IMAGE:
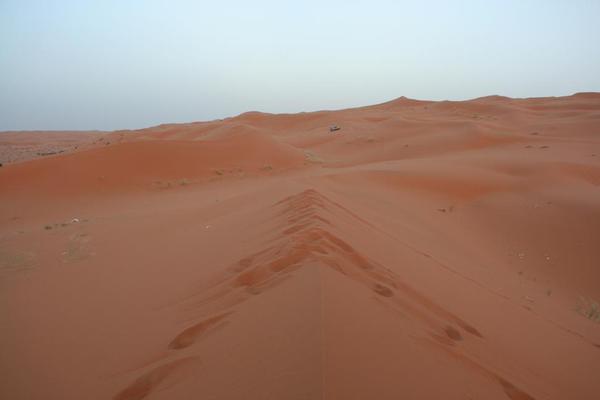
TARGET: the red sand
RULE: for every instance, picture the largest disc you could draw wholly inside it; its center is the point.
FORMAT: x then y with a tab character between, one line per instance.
427	250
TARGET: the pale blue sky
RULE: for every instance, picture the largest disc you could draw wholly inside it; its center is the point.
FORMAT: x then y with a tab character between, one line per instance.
131	63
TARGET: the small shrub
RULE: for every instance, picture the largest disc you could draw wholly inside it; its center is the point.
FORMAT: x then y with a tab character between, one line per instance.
589	309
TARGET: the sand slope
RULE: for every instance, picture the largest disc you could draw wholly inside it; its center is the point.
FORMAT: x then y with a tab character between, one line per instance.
426	250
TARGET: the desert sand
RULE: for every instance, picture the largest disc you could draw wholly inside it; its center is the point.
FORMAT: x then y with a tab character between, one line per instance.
426	250
18	146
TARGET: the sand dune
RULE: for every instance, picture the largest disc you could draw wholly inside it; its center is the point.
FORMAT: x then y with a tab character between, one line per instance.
426	250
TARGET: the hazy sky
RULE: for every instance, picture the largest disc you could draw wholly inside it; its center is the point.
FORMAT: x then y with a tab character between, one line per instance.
131	63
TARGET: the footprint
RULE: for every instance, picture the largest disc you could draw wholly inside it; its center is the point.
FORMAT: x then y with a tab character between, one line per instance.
468	328
383	290
453	333
191	334
153	380
514	392
254	290
296	228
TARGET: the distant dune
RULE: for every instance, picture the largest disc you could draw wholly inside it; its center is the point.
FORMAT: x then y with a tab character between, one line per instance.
426	250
